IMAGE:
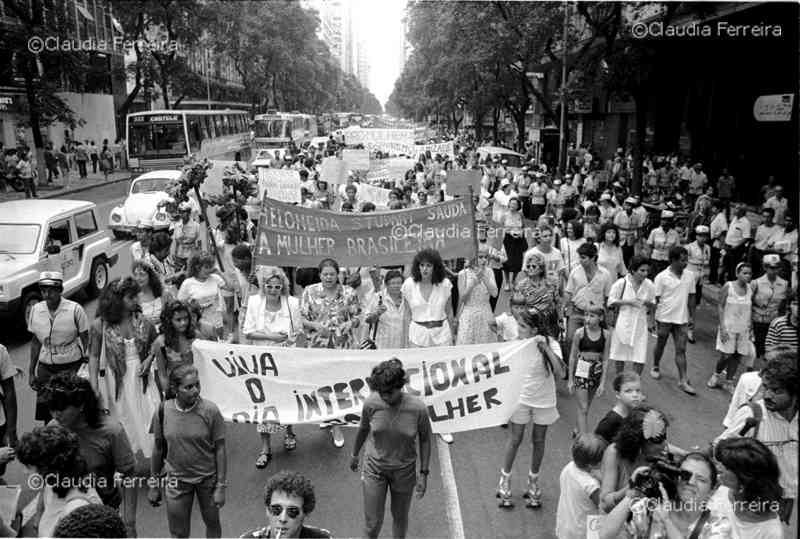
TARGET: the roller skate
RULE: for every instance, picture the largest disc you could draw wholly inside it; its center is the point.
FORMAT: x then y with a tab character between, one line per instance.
533	495
504	490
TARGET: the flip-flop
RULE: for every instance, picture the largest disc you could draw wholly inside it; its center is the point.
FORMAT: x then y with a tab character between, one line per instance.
289	442
263	460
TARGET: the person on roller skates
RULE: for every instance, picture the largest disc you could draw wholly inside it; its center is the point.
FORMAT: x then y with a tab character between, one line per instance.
537	402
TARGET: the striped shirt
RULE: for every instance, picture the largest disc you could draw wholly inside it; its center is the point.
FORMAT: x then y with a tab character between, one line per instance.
781	332
778	434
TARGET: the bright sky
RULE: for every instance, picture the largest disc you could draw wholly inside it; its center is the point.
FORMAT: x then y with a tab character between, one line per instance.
379	23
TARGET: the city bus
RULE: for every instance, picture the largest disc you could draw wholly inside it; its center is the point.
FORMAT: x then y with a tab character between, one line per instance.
159	139
278	129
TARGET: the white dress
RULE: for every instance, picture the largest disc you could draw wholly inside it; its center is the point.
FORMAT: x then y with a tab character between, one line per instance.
475	318
151	310
432	310
631	335
135	406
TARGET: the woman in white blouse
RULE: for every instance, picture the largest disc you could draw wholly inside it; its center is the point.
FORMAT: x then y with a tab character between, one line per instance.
272	319
634	297
609	253
387	316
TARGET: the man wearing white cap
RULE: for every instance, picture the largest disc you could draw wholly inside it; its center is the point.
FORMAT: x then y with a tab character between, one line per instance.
700	265
607	209
628	224
555	201
60	330
662	238
769	292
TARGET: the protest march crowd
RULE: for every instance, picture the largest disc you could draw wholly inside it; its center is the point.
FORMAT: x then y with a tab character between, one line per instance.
591	273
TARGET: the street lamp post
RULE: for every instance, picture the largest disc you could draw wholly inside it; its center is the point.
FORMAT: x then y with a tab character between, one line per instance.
562	131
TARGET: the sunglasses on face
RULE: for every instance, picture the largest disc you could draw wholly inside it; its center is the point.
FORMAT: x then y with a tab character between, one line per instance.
291	511
273	286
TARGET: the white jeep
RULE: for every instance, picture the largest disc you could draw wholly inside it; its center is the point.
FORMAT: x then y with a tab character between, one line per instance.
50	235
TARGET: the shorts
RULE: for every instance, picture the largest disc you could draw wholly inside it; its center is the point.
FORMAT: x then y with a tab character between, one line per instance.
738	343
541	416
398	480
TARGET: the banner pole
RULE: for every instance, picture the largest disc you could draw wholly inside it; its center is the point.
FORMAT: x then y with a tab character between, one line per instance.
474	223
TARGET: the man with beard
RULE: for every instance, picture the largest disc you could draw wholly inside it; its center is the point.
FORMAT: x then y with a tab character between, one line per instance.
772	420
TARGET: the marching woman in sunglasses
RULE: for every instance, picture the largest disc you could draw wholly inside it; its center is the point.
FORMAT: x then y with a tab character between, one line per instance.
391	423
289	498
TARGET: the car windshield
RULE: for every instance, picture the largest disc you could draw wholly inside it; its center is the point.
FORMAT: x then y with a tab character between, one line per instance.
150	185
18	239
273	128
157	140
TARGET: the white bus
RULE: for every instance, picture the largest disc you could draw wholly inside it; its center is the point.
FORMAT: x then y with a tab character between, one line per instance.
278	129
159	139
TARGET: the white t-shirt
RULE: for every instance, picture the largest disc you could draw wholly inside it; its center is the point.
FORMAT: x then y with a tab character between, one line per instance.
207	294
575	502
539	385
507	327
721	509
746	388
673	293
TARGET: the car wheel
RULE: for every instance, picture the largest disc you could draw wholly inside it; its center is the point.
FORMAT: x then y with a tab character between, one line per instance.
29	299
119	234
98	279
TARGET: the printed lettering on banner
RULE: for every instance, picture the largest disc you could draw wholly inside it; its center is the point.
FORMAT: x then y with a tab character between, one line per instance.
593	523
295	236
459	182
356	159
279	184
333	171
377	195
374	136
465	387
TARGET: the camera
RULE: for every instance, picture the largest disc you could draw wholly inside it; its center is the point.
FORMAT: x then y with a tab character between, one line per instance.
660	470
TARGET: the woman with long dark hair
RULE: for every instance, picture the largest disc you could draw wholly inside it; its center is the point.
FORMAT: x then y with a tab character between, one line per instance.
204	284
394	421
120	342
102	442
537	404
173	347
427	293
151	292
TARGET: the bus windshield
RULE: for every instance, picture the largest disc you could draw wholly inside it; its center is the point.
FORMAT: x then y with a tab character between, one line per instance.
156	139
273	128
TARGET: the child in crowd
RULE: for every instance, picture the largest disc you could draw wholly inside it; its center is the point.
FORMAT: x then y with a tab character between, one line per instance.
588	364
580	490
628	390
537	402
507	325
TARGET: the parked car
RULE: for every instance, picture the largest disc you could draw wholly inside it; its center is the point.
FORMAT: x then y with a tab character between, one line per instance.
515	160
146	193
50	235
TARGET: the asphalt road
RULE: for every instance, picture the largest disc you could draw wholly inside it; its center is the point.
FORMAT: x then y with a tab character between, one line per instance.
476	455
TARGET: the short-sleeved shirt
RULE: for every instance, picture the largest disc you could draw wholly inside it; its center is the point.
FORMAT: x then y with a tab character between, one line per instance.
575	502
699	259
191	437
781	332
7	370
608	427
767	298
539	385
106	451
59	333
507	327
738	231
765	235
207	295
589	294
673	293
628	226
393	431
662	241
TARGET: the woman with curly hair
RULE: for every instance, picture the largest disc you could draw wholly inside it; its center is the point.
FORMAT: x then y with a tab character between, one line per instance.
541	296
173	347
749	495
54	451
394	421
205	284
120	342
102	442
609	253
151	292
289	498
272	318
427	294
642	436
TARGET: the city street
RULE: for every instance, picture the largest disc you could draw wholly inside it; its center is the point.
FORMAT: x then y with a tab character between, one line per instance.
475	455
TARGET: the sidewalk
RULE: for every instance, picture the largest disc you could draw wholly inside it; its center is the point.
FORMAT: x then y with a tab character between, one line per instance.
74	185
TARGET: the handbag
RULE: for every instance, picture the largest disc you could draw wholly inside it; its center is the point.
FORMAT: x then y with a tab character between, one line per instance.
613	311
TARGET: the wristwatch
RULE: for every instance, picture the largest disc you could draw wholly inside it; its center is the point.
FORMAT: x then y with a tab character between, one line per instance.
424	472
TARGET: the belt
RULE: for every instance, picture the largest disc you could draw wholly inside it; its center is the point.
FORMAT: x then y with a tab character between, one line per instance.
430	324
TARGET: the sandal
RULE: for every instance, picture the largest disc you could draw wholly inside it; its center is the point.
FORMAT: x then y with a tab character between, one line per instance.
263	460
290	442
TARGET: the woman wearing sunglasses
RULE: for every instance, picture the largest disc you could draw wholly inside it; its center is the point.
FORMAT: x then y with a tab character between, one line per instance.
272	319
289	498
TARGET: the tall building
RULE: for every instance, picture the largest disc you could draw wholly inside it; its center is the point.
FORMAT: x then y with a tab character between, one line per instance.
363	63
337	31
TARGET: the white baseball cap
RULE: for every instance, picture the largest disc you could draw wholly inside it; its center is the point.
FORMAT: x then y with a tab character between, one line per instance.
666	214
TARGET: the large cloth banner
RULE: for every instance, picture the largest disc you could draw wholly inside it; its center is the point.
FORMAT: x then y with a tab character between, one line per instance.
353	137
465	387
279	184
442	148
356	159
295	236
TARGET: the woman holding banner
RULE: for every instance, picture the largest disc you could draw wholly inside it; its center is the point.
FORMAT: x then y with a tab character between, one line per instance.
330	312
273	319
